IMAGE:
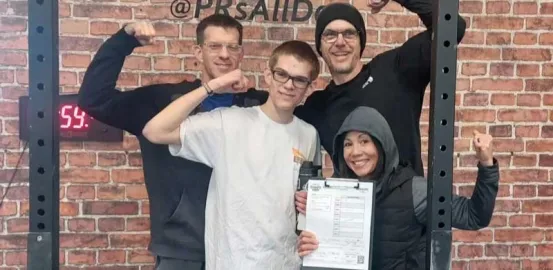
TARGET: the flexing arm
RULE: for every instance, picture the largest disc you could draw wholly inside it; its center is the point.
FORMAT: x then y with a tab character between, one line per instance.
471	213
98	96
164	127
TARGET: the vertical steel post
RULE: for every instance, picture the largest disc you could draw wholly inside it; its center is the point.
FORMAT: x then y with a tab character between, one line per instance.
442	119
43	238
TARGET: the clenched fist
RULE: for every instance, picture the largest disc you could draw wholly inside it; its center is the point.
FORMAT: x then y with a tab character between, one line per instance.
144	32
232	82
483	146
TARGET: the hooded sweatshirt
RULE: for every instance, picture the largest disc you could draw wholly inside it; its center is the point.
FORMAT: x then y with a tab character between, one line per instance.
400	209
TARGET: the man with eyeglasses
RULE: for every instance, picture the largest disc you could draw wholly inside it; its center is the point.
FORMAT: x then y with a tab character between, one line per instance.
256	154
393	82
177	188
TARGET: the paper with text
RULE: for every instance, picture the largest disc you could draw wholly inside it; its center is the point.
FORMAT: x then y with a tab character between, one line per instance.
341	217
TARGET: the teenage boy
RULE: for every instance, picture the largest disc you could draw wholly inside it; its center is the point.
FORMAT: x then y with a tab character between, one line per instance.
177	188
255	153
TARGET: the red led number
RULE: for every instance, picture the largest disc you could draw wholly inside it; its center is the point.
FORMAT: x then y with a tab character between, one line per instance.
72	117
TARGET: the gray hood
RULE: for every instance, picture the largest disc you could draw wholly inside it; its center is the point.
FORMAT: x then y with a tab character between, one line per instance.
370	121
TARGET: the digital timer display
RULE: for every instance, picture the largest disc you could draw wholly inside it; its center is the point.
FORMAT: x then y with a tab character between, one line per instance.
72	117
74	123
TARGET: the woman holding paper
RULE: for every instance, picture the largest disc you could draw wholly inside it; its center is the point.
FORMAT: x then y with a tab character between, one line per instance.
364	148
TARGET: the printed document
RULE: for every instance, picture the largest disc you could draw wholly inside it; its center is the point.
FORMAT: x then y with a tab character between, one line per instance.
341	216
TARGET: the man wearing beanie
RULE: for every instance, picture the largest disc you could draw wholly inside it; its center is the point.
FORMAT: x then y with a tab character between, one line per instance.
393	82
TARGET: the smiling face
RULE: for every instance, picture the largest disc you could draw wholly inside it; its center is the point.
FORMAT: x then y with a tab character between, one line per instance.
340	47
360	153
288	82
220	51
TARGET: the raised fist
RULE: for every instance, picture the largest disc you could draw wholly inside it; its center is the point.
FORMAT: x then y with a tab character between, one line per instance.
483	146
144	32
377	5
232	82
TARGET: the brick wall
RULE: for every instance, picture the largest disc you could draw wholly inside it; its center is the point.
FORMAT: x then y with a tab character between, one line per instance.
505	77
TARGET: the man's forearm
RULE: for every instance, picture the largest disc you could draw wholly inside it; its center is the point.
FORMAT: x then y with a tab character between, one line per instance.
164	127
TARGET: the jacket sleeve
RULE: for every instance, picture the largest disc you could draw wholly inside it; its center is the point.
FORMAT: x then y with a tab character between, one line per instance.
98	97
415	55
472	213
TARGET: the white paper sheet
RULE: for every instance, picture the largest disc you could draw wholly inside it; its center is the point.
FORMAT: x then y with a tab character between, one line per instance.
341	217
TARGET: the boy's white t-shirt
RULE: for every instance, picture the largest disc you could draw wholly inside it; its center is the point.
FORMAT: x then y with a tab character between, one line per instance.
250	213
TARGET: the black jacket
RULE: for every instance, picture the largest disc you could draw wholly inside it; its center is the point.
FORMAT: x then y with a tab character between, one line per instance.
177	188
400	209
393	82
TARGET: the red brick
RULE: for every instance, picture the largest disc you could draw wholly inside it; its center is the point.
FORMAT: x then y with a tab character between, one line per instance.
16	258
494	38
498	7
12	24
103	28
474	69
111	224
524	160
138	224
136	192
101	11
495	264
544	220
529	100
473	37
127	175
525	38
539	85
521	54
140	256
111	192
496	22
84	175
494	250
280	33
167	63
521	220
525	8
111	159
81	257
71	26
538	23
129	240
470	251
80	192
475	7
522	250
75	60
111	256
468	53
81	225
83	240
110	208
15	225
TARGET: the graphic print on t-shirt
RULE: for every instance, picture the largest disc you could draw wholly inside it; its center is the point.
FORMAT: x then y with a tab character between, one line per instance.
299	158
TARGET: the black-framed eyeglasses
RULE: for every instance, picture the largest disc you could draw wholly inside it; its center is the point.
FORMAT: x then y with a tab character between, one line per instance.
282	76
331	36
216	47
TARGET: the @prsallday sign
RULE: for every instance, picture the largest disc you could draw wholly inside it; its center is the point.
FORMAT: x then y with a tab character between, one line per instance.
289	9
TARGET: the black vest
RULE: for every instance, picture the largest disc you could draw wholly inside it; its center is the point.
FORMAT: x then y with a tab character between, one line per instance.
399	240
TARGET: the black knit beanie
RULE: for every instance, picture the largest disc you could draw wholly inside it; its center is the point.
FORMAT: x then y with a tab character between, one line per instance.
340	11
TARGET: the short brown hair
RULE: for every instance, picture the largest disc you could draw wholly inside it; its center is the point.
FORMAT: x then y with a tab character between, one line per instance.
301	51
218	20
